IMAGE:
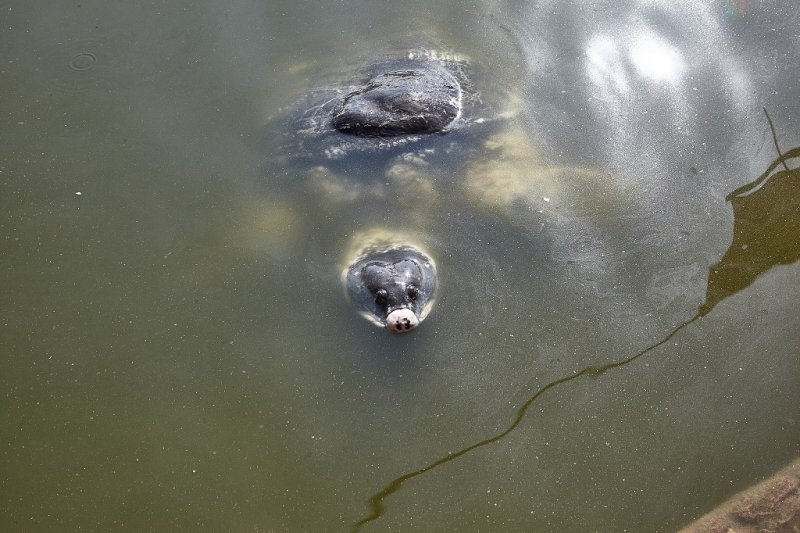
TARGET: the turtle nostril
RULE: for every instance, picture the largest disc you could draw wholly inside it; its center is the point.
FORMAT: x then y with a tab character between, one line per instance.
401	320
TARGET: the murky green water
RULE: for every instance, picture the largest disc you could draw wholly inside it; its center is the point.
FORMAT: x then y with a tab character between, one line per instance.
177	353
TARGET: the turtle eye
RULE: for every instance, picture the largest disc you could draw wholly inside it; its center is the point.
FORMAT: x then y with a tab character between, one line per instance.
413	292
380	297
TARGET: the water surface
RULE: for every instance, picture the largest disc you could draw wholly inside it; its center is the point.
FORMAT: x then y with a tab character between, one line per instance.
176	349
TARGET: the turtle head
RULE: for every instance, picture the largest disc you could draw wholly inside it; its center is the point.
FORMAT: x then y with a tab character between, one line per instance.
394	288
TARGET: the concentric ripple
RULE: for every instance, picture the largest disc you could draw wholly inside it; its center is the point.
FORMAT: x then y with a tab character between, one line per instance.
82	61
80	65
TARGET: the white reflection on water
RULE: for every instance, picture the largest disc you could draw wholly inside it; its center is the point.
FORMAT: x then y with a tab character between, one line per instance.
656	59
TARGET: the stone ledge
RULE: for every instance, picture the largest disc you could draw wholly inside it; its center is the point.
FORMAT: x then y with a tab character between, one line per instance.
772	506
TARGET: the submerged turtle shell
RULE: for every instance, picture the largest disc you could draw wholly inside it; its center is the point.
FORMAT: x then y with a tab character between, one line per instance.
410	101
392	105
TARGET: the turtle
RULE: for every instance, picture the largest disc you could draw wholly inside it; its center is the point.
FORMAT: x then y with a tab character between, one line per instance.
383	144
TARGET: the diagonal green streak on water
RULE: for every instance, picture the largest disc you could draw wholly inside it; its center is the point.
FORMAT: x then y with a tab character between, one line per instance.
376	502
